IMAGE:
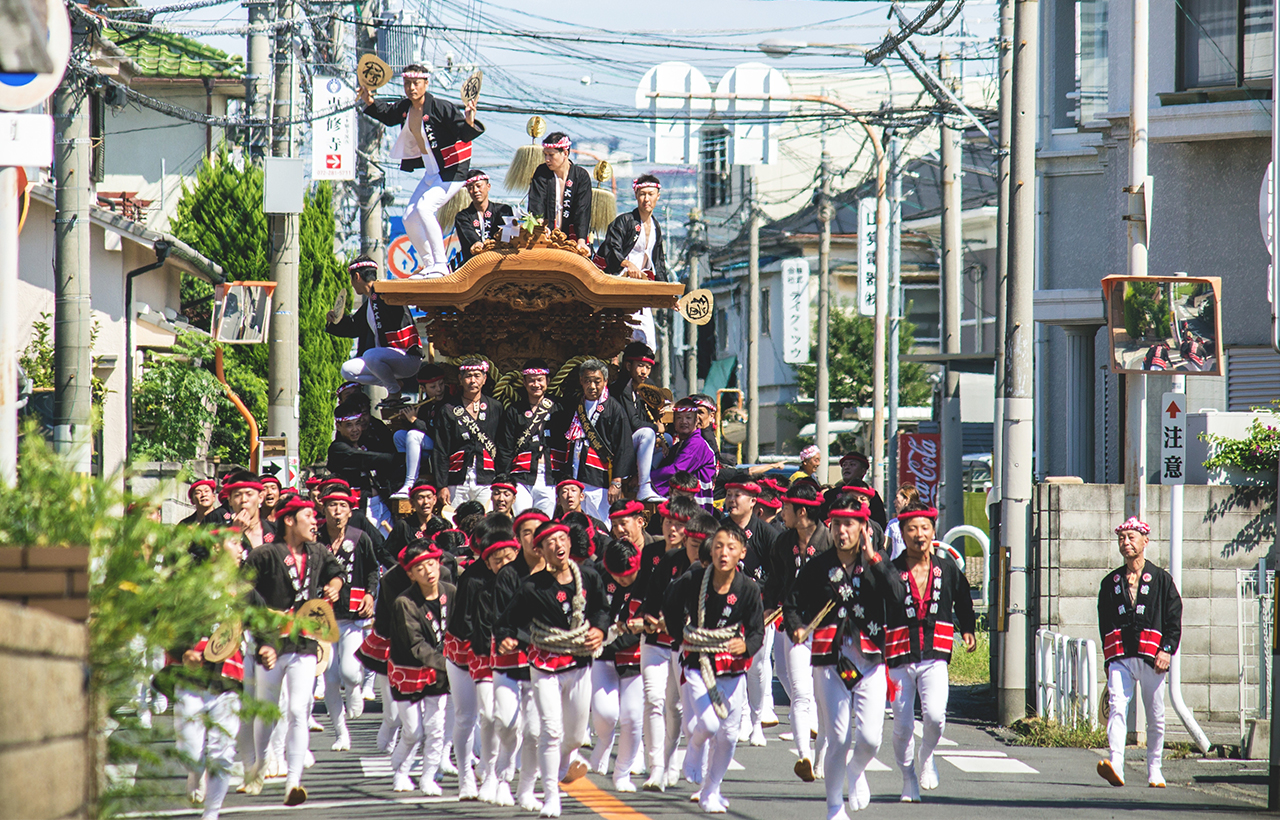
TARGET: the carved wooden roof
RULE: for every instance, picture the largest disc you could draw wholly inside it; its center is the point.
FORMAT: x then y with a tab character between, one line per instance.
531	280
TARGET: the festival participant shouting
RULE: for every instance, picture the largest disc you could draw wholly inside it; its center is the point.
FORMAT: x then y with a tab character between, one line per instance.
560	191
422	523
689	453
804	539
515	712
836	600
270	496
594	440
436	136
617	690
466	433
244	500
502	494
565	613
926	602
204	495
360	574
481	220
525	441
716	615
388	349
288	573
1140	618
415	666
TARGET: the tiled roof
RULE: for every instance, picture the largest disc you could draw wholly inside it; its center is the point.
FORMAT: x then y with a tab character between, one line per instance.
172	56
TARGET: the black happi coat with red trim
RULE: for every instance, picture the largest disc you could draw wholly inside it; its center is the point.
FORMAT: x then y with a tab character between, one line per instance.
458	448
373	652
1144	627
472	226
392	327
859	606
624	604
354	552
740	607
444	128
275	578
415	667
513	664
594	468
924	630
673	564
575	205
786	560
543	598
520	453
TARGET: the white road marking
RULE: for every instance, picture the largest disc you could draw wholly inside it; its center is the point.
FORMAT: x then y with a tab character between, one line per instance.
291	811
971	753
989	765
919	730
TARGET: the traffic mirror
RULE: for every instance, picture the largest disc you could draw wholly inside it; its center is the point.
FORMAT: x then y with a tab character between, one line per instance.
1164	324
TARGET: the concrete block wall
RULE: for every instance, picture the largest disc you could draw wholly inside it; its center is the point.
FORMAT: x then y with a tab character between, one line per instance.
1224	528
46	750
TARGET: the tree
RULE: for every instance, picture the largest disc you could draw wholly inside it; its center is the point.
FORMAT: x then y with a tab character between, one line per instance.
176	402
221	216
851	361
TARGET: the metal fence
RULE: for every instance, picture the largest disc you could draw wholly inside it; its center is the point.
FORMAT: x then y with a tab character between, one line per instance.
1066	679
1255	605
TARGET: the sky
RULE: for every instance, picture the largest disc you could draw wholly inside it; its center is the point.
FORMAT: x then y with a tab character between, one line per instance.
541	69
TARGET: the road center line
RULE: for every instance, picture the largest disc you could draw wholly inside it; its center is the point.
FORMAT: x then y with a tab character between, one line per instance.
600	801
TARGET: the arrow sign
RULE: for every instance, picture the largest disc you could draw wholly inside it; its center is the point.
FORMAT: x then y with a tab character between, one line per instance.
1173	410
1173	439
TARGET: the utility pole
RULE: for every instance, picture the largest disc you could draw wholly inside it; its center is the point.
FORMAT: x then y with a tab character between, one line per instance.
895	301
282	362
1005	74
370	179
753	323
878	459
1019	384
822	399
72	311
257	77
697	238
952	258
1138	189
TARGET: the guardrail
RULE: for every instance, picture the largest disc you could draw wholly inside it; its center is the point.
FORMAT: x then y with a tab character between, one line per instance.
1066	679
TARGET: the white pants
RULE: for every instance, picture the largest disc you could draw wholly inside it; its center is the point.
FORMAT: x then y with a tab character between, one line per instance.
1122	674
852	720
564	704
660	674
422	722
206	724
645	332
929	679
539	496
595	502
378	514
516	716
760	681
804	717
469	490
414	444
245	746
644	441
383	366
345	671
294	676
421	224
465	710
617	709
486	729
707	730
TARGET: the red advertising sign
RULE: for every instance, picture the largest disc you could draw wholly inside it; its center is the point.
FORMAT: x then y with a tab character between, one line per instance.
920	463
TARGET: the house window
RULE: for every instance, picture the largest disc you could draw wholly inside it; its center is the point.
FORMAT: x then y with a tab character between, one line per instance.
922	310
1080	60
1224	44
722	328
716	182
764	311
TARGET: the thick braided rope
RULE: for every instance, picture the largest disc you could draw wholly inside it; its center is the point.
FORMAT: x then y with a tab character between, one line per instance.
706	641
571	641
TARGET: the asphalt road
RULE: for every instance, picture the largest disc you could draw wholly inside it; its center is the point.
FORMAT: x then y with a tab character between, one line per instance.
981	776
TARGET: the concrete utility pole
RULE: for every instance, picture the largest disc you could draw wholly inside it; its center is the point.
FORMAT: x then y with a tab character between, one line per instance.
1005	74
753	322
895	301
257	76
952	263
696	233
878	458
822	399
370	179
8	325
1019	384
282	361
72	311
1138	189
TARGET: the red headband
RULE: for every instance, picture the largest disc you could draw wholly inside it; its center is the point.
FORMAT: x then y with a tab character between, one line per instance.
677	488
861	514
575	482
243	485
293	506
422	487
527	515
481	365
535	371
804	502
633	566
415	75
480	177
696	536
312	482
264	479
771	503
641	359
498	545
866	491
435	552
552	530
431	379
502	485
746	487
632	508
648	183
562	144
351	502
665	512
207	482
351	417
931	514
363	263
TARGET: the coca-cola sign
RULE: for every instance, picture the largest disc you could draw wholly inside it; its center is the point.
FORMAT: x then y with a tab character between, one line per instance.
919	463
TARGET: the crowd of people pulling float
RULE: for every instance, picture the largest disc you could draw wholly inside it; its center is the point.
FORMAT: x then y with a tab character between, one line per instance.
534	544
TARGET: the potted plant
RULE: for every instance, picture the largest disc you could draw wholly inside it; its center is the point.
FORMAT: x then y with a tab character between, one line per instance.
1249	461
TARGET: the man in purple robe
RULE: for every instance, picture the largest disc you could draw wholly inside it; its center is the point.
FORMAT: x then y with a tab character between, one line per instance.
690	452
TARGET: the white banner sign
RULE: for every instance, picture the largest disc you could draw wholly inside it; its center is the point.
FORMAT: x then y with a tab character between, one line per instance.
867	256
795	310
1173	438
333	138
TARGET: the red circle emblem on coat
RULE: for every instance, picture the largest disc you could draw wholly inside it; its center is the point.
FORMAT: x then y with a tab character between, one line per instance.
561	596
731	600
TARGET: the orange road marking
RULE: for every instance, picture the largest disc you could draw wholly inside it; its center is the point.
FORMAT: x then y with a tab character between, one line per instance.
600	801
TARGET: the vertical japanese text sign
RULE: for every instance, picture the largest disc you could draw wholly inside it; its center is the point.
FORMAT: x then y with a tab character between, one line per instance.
795	310
867	256
1173	438
333	138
